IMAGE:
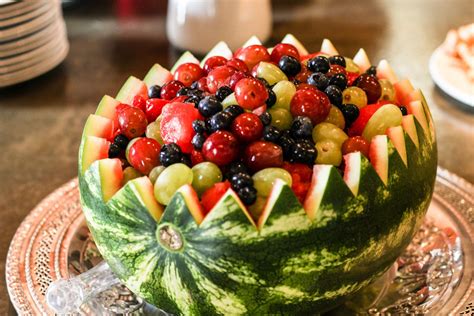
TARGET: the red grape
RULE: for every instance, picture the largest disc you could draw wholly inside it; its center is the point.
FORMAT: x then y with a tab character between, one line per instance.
238	64
221	148
250	93
139	102
170	89
213	62
247	127
232	80
253	54
311	103
132	121
304	85
283	49
218	76
143	154
261	154
371	87
188	73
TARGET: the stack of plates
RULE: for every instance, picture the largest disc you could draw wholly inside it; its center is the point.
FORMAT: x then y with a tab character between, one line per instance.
33	39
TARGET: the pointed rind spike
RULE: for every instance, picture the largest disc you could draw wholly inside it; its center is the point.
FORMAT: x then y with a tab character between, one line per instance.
328	48
403	89
220	49
106	107
157	75
316	190
397	137
385	71
143	188
362	60
352	171
186	57
111	176
408	125
192	202
378	155
416	108
291	39
252	41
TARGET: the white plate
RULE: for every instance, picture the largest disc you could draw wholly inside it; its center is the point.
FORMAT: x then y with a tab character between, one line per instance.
30	15
448	74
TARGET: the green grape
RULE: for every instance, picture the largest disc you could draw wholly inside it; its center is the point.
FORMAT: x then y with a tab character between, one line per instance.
130	143
130	173
170	180
271	73
354	95
153	131
327	131
155	172
329	153
336	117
229	100
256	208
281	118
205	174
284	91
388	91
264	180
351	65
386	116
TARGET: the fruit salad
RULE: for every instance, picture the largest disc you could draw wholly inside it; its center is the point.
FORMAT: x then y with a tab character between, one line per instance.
260	181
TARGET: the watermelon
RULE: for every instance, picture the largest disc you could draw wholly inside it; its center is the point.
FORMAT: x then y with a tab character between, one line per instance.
296	258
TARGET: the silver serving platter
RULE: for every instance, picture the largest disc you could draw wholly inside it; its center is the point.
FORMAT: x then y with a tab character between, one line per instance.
435	275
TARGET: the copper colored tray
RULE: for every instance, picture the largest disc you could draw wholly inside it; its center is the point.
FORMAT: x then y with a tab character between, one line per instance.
435	275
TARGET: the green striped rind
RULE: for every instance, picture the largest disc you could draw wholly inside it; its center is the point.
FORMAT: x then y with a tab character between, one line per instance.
292	266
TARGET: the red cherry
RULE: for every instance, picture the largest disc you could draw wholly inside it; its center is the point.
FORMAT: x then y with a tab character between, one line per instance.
212	195
196	157
213	62
170	89
238	64
250	93
132	121
176	124
252	55
143	154
303	75
247	127
356	143
261	154
336	69
232	80
221	148
188	73
153	108
283	49
139	102
218	76
311	103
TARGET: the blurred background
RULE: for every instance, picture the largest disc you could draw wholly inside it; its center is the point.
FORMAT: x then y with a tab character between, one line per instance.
41	119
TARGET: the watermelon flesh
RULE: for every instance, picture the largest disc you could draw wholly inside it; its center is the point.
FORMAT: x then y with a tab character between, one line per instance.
296	258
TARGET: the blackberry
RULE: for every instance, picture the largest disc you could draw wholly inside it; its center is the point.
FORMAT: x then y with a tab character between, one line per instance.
234	168
248	195
301	127
209	106
319	80
271	134
154	91
220	121
241	180
337	60
318	64
334	94
223	92
266	118
170	154
286	143
289	65
303	151
197	93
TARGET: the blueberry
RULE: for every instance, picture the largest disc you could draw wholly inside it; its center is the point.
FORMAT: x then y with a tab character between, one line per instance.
209	106
301	127
404	110
319	80
121	141
337	60
223	92
271	134
114	150
350	112
286	143
186	160
372	70
319	64
234	110
265	118
271	98
154	91
334	94
170	154
339	80
182	91
303	151
198	141
193	99
248	195
199	126
236	167
289	65
241	180
220	121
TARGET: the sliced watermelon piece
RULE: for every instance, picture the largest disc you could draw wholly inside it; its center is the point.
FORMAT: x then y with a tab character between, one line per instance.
111	176
378	156
291	39
144	190
397	137
352	171
106	107
187	57
403	89
132	87
385	71
157	75
362	60
328	48
92	148
408	125
252	41
416	108
221	49
192	202
99	126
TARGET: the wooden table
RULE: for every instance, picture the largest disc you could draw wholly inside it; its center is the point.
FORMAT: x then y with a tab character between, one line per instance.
41	120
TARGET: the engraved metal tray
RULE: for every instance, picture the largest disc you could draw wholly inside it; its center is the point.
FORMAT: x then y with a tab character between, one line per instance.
434	276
